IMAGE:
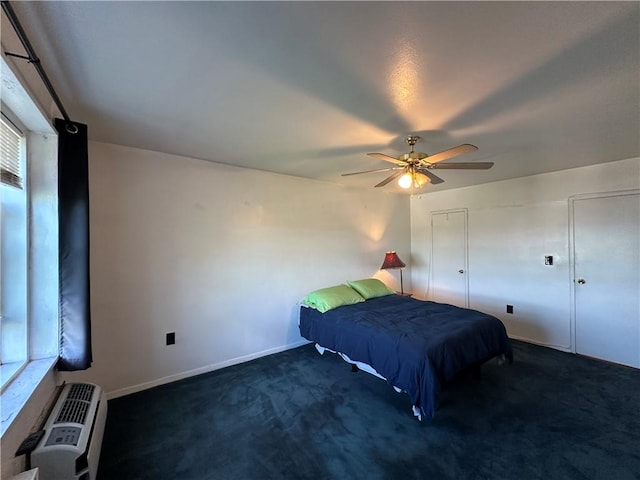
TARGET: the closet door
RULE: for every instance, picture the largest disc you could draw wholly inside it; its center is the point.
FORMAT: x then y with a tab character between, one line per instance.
606	248
449	282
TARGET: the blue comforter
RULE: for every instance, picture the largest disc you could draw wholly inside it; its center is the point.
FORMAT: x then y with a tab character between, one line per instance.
416	345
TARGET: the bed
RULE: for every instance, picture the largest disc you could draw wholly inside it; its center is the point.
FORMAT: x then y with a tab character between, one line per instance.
416	346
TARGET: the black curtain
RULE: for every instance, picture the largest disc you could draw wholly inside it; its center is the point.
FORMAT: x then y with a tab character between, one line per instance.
73	219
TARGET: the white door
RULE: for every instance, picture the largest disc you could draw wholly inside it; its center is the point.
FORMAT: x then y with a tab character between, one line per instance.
449	258
606	243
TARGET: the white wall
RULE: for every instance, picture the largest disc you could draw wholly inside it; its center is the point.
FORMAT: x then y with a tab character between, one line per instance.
512	225
220	255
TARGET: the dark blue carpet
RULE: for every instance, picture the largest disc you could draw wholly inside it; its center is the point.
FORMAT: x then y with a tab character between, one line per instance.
299	415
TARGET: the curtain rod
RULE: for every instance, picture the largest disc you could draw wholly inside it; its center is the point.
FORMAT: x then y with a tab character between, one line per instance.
33	58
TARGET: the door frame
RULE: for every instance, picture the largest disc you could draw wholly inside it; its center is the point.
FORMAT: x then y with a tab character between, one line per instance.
572	265
466	250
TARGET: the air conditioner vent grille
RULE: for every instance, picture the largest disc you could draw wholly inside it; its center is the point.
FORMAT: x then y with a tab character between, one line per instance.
73	411
76	405
81	391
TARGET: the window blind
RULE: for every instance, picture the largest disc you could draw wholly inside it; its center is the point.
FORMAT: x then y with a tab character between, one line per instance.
10	155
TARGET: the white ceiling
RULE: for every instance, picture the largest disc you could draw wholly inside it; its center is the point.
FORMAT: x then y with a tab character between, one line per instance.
307	89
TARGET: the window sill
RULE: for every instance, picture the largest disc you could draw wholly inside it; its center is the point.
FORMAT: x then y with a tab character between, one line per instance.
16	395
9	371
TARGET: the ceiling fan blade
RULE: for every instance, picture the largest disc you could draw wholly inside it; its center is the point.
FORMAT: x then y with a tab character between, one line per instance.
372	171
432	176
390	178
464	165
452	152
386	158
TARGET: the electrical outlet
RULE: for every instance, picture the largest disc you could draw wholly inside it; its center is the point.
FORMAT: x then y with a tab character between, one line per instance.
171	338
509	308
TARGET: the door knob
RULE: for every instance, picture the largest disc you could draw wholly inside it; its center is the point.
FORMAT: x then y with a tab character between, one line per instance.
460	271
581	281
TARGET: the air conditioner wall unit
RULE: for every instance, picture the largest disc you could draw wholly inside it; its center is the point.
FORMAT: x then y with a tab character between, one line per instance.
70	447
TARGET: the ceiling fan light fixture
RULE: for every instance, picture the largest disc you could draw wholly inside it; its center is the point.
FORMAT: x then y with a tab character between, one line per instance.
413	179
405	181
420	180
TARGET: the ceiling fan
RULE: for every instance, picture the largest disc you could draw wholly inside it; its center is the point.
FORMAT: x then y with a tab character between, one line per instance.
412	169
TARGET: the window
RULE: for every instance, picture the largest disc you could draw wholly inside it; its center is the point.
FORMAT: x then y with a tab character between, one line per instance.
11	143
13	249
29	334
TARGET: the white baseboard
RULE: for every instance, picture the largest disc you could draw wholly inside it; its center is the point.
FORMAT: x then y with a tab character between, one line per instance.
198	371
542	344
245	358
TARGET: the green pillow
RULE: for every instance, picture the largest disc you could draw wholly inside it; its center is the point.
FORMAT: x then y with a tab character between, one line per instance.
370	288
329	298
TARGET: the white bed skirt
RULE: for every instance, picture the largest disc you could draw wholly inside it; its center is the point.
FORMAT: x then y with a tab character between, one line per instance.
369	369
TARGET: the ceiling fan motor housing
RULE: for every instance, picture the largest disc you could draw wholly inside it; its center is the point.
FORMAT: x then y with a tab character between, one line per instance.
412	157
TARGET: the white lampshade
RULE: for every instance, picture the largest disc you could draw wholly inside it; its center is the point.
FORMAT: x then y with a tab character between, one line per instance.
405	180
417	179
420	180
